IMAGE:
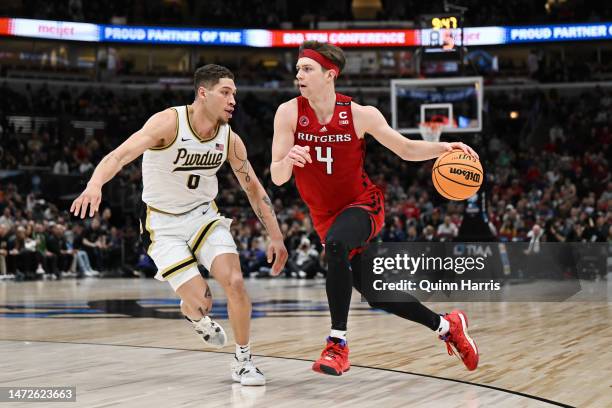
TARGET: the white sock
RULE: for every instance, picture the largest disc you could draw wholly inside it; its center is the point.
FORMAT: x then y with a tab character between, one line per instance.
339	334
444	326
243	352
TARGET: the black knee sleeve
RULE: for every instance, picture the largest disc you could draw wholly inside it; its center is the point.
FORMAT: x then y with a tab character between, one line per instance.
339	282
350	230
335	250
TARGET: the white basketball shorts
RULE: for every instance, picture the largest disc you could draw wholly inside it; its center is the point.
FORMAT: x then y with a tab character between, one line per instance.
177	243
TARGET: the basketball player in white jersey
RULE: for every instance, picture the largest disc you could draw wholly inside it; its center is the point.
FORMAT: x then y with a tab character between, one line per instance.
183	148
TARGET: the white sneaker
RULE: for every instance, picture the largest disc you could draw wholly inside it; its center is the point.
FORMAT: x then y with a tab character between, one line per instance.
210	331
245	372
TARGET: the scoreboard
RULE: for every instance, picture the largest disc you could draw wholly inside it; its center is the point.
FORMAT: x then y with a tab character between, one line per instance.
441	32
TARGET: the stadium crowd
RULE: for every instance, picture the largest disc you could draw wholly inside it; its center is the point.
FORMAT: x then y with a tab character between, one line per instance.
553	183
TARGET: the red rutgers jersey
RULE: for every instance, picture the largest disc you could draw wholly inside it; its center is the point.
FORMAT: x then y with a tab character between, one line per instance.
335	179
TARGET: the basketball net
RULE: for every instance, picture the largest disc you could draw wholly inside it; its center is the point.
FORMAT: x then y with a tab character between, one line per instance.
431	131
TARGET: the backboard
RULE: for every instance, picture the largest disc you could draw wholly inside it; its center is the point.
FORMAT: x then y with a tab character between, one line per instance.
414	101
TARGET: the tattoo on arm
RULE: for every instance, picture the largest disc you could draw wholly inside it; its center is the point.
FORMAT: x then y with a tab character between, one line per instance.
244	170
267	202
259	212
244	165
261	217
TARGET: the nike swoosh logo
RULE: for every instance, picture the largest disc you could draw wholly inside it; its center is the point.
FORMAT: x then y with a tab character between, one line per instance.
185	140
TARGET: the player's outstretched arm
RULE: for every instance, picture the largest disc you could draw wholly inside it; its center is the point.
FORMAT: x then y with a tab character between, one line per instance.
160	128
371	121
259	200
285	154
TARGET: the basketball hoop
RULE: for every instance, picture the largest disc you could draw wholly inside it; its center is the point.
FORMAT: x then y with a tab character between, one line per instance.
431	131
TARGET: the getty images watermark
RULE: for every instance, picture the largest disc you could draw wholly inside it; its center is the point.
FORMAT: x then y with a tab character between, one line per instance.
486	271
411	265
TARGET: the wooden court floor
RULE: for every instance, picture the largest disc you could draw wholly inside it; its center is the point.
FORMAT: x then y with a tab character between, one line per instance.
122	342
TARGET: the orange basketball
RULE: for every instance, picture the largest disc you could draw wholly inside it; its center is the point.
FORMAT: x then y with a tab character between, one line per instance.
456	175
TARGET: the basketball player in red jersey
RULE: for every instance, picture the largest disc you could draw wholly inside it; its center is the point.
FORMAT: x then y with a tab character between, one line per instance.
319	138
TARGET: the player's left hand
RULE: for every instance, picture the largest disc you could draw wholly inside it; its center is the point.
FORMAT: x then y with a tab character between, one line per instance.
278	252
461	146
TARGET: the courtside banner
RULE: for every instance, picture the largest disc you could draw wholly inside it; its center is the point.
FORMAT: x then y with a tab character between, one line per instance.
564	32
347	38
484	272
55	30
468	36
4	26
170	35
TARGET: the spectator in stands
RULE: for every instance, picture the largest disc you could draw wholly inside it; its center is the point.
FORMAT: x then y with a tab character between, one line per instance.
576	233
57	245
7	218
83	265
94	242
61	166
447	231
113	249
508	232
23	251
105	219
4	250
554	232
412	234
304	261
255	257
47	260
429	234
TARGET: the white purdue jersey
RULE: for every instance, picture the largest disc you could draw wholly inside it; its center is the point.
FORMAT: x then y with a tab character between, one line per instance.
180	176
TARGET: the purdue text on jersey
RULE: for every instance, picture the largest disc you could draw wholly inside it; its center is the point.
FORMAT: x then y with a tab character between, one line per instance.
197	161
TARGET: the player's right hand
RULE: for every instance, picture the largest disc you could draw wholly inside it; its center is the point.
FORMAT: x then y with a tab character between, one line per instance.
299	155
91	196
278	252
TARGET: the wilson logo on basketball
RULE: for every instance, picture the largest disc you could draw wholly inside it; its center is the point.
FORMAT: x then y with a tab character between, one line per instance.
469	175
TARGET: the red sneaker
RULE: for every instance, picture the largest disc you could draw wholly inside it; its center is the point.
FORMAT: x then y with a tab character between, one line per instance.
459	339
334	359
